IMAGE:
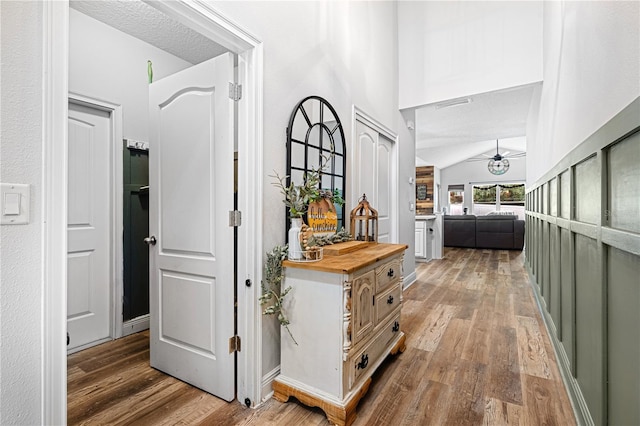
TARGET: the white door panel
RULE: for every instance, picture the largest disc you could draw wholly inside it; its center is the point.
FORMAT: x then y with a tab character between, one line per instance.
383	189
88	230
366	155
374	176
191	193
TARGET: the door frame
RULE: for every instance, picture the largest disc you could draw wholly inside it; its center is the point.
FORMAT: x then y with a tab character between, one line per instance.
358	115
203	18
116	263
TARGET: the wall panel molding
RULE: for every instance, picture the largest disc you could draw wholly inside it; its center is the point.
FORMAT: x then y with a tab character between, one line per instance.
583	257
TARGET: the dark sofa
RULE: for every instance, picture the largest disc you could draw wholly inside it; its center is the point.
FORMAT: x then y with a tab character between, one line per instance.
492	232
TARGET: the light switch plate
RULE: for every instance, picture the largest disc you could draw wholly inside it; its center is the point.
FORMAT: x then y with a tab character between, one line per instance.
10	213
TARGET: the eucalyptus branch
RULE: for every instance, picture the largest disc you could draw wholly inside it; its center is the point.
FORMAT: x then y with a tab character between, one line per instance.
271	285
325	240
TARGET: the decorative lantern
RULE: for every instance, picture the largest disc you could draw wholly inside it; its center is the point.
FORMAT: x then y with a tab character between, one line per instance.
364	221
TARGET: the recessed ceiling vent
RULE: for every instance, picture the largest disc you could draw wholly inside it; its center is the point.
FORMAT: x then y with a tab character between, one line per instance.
454	102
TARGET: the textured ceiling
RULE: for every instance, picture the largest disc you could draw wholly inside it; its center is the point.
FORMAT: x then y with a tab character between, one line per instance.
148	24
446	136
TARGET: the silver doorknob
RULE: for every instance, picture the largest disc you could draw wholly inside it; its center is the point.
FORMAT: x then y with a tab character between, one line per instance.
150	240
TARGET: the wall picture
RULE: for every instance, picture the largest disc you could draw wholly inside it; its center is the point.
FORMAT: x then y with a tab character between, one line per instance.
421	192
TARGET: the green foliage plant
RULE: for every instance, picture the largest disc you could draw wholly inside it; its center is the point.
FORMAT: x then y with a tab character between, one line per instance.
272	296
298	197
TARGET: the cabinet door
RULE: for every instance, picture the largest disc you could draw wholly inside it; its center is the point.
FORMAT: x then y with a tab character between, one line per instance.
362	299
421	249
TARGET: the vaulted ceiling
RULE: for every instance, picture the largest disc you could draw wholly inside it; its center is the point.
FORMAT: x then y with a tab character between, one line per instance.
445	135
452	131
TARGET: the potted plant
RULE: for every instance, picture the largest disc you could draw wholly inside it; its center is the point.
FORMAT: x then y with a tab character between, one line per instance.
297	199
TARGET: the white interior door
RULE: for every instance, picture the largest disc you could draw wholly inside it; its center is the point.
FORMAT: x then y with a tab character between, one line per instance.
375	176
383	195
191	194
88	230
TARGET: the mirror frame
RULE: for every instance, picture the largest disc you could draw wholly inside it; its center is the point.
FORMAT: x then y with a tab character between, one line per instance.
336	135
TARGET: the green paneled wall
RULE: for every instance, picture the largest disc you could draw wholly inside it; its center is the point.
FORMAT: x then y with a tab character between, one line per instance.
567	294
544	276
623	347
589	319
554	276
136	228
583	255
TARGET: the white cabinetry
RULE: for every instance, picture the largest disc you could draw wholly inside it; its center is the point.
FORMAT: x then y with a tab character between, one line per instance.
429	243
345	316
421	239
424	238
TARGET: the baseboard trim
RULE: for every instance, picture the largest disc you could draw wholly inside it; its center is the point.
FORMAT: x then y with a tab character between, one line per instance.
89	345
578	403
267	384
135	325
409	280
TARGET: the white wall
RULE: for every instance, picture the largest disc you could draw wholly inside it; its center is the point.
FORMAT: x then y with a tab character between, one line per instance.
109	65
343	51
476	172
20	245
21	162
591	72
438	188
453	49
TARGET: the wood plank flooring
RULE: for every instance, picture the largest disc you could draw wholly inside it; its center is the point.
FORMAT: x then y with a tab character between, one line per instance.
477	354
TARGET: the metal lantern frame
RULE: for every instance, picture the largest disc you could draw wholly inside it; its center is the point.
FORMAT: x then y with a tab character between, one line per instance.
364	221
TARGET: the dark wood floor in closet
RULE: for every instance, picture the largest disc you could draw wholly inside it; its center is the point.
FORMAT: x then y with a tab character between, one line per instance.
477	354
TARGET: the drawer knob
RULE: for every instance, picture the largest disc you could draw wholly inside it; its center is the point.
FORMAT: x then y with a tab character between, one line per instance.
390	273
390	300
396	327
364	361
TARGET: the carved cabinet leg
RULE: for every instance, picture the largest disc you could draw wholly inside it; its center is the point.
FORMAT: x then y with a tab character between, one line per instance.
336	414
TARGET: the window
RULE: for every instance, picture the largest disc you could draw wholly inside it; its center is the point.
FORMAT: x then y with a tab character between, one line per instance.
504	198
456	199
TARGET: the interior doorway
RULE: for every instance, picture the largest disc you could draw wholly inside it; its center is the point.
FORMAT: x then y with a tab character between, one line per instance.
91	269
95	290
249	51
376	145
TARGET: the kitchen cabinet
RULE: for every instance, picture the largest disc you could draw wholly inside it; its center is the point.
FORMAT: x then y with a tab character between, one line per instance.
429	237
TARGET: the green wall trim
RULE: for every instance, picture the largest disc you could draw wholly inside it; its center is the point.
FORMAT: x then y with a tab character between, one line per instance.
589	305
619	127
578	403
623	240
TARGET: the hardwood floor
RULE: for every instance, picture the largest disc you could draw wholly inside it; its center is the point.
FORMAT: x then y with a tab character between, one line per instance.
477	354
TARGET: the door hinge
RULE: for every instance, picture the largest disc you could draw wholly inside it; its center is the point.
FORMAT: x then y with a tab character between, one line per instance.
235	218
235	91
234	344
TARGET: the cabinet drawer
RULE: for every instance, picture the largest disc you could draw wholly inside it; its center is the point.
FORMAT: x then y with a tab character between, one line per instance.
387	302
363	360
388	274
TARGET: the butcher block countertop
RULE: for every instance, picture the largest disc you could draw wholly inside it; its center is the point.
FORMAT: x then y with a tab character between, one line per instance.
352	261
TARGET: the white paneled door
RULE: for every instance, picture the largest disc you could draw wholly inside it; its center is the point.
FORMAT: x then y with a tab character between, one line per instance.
88	226
375	176
191	243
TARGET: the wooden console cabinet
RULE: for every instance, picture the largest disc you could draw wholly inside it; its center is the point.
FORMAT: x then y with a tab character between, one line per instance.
345	316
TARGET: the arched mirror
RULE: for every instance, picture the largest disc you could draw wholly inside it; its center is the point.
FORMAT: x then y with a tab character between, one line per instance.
314	135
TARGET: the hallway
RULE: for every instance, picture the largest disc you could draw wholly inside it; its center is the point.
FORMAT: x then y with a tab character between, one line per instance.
477	354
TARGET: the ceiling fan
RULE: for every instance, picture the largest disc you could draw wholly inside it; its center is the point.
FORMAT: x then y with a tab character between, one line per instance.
499	163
